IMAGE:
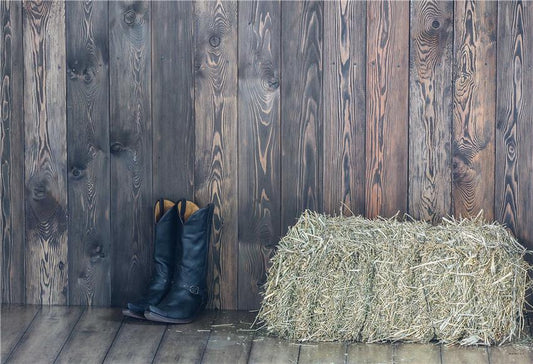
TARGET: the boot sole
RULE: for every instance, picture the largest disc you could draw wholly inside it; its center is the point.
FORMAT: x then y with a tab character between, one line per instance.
132	314
155	317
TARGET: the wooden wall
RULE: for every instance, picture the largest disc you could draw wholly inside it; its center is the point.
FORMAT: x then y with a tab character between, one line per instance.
263	108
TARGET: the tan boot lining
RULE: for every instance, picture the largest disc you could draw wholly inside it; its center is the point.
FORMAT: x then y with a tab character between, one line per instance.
167	205
190	208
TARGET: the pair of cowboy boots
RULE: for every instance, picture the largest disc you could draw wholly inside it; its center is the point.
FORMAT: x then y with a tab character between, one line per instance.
177	291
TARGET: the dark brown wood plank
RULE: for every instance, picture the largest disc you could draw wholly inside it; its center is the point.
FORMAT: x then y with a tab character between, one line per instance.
216	168
185	343
173	99
474	108
11	152
231	339
301	109
136	342
131	148
269	350
16	319
259	149
370	354
509	98
344	106
462	354
511	354
47	334
417	354
387	107
322	353
45	127
524	80
92	336
430	109
88	153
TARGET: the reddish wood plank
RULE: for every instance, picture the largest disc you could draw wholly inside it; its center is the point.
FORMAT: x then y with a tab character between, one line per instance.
387	107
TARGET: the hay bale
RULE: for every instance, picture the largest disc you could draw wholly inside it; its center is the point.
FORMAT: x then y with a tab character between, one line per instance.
355	279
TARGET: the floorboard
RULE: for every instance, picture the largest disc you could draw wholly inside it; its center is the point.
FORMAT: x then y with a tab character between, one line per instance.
231	339
458	354
511	354
92	336
417	354
136	342
185	343
15	321
46	336
268	350
370	354
322	353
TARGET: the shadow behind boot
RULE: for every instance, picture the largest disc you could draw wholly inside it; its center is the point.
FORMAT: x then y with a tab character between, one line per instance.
166	232
188	295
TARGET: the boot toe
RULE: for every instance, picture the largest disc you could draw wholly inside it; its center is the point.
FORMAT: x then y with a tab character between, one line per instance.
136	307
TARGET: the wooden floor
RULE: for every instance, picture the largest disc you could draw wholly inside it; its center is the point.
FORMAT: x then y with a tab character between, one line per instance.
31	334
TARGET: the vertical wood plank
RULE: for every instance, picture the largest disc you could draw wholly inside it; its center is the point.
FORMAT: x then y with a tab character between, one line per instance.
46	225
430	110
216	168
474	108
131	148
524	80
387	107
344	106
88	153
301	109
259	149
173	99
509	98
11	152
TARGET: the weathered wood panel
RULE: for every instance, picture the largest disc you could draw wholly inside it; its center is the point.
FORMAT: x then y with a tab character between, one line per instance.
474	108
173	99
301	109
323	353
430	109
131	148
259	151
510	109
88	153
11	152
216	168
16	319
45	127
344	106
387	107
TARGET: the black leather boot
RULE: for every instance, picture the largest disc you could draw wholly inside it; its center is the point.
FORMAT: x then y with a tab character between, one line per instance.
166	232
188	295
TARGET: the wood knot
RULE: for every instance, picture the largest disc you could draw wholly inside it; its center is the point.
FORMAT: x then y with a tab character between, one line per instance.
435	24
61	265
214	41
76	172
129	17
116	147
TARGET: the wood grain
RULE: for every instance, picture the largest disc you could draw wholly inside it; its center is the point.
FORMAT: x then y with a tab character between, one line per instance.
510	109
43	341
323	353
173	99
92	337
417	354
344	106
387	108
474	108
259	149
430	109
216	168
185	343
16	319
456	354
268	349
11	152
88	153
131	148
301	109
370	354
510	354
45	127
136	342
